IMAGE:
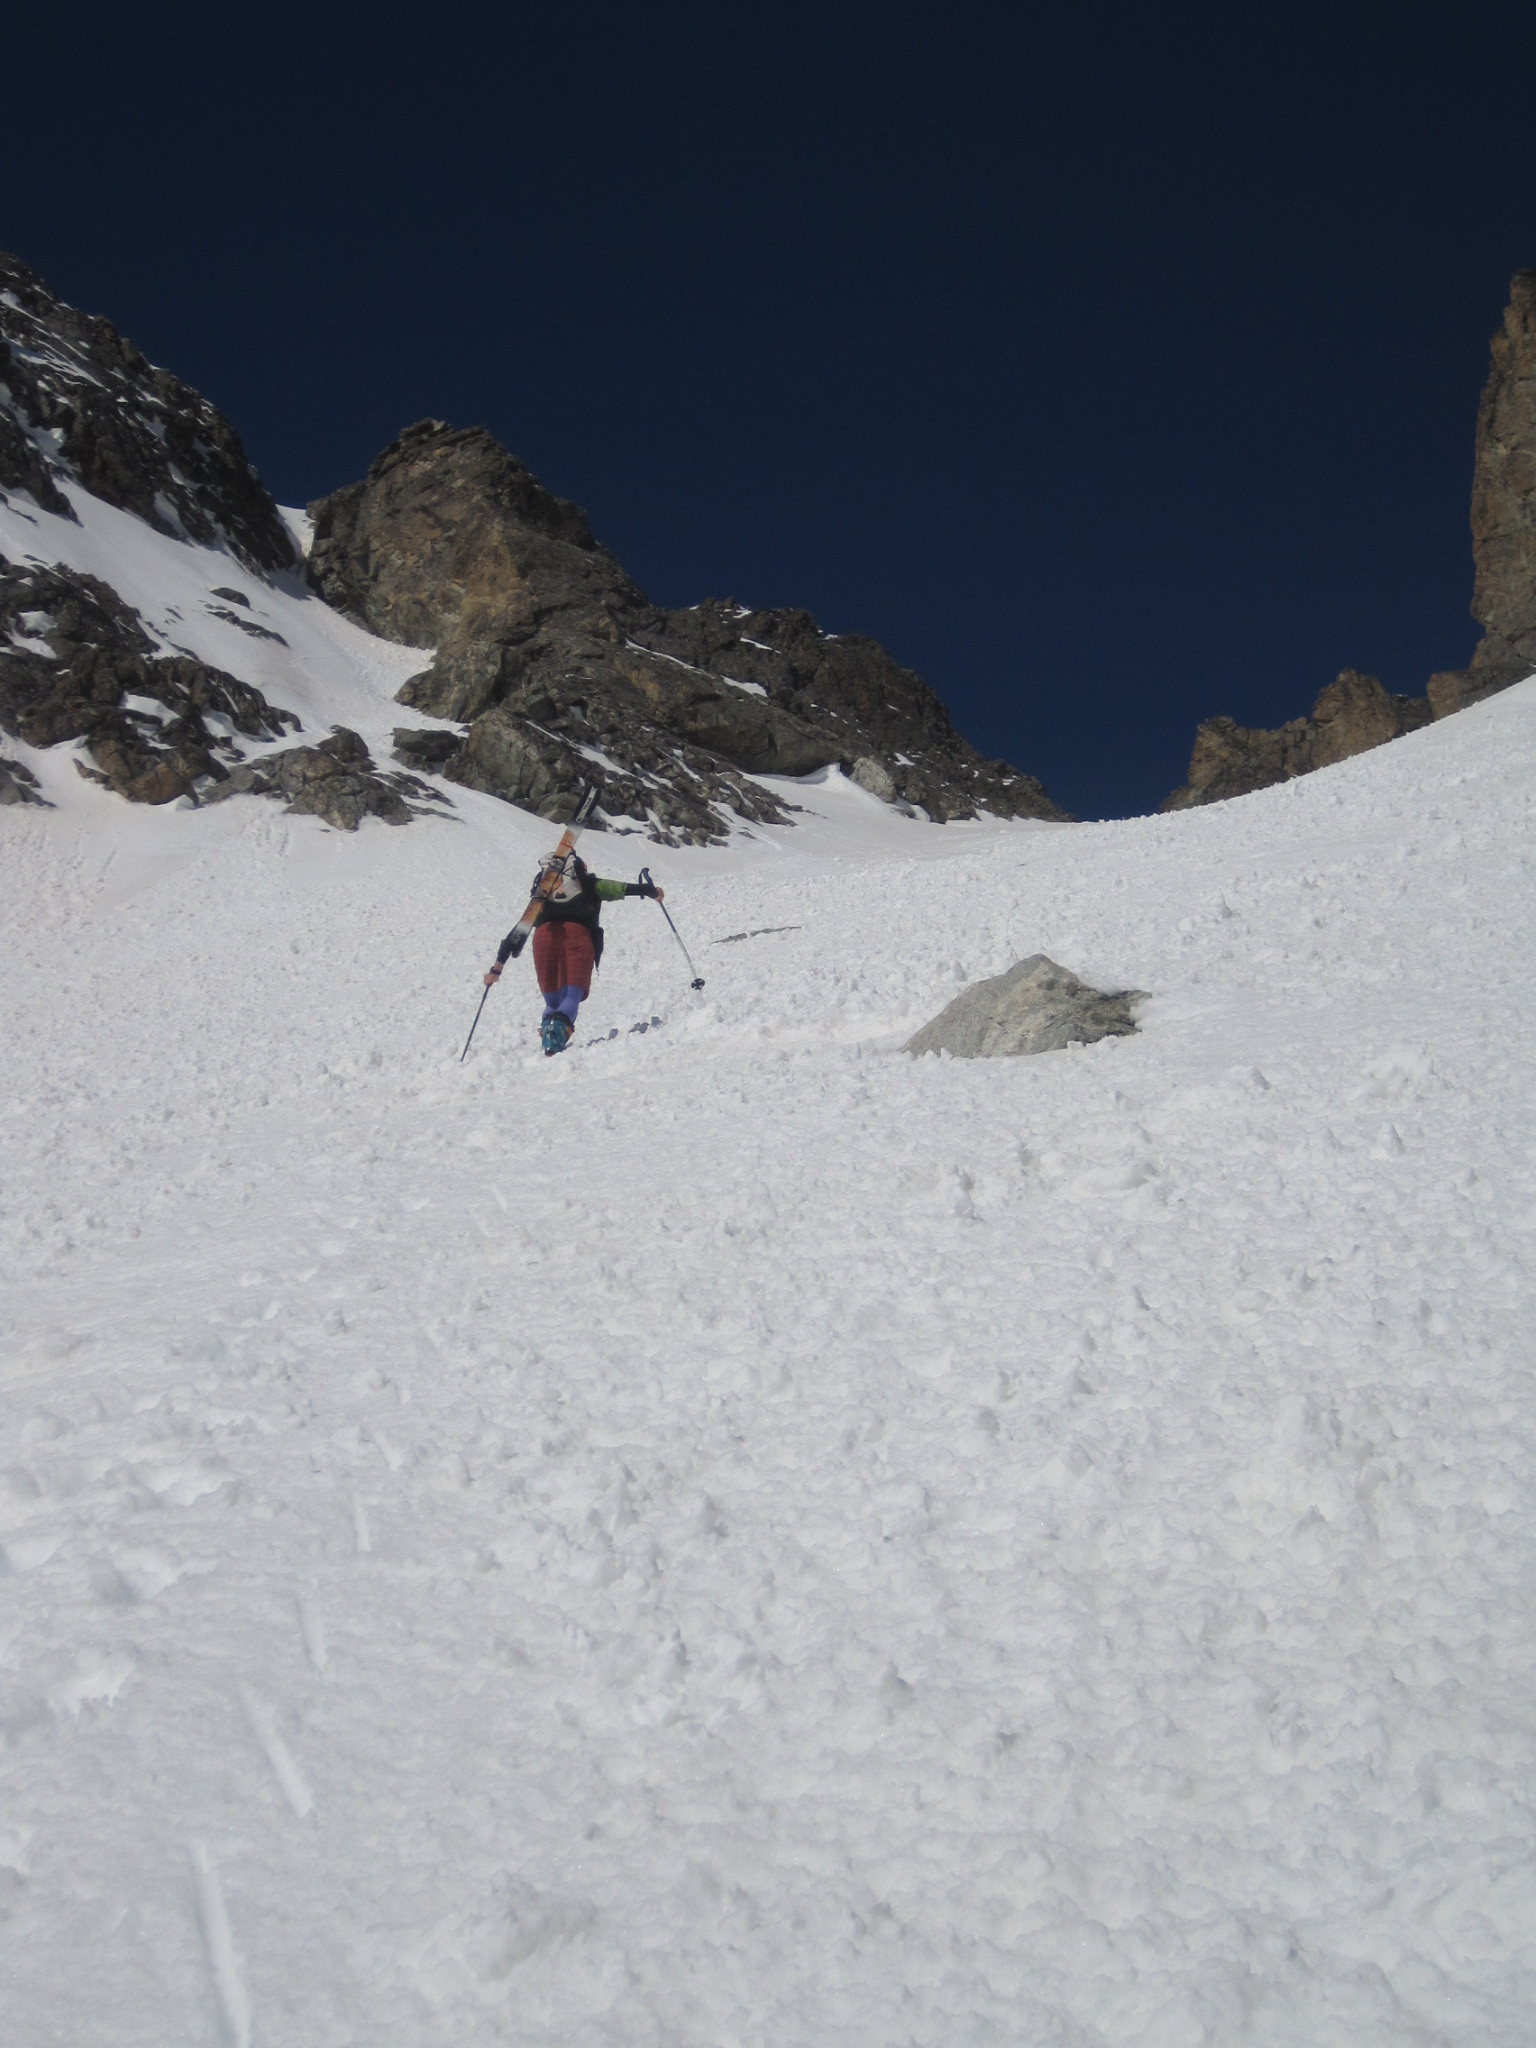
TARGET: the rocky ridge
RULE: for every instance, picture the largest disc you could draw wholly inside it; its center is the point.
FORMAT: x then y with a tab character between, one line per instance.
1351	715
550	667
1354	712
80	404
556	668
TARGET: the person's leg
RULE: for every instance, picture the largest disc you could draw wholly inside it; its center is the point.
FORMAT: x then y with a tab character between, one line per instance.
564	963
549	965
576	971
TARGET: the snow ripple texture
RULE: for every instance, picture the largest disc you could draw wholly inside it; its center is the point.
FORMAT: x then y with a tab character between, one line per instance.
739	1535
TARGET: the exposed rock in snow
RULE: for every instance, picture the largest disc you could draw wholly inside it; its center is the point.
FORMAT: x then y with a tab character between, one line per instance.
558	662
79	403
76	663
18	785
336	781
1037	1006
1352	715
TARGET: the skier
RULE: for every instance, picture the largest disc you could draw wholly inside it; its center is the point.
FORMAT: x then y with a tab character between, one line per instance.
567	940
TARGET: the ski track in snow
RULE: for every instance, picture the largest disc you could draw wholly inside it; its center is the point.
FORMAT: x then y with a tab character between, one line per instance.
737	1535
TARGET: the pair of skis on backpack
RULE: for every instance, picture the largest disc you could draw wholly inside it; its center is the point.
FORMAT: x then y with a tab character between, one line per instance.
544	890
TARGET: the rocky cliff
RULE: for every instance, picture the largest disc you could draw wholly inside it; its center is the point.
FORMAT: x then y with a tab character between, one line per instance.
79	404
1503	515
555	667
1355	713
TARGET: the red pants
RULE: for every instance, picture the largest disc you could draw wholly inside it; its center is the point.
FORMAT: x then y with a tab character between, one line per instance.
562	958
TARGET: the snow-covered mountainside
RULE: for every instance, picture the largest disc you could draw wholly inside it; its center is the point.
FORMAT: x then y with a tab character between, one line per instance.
538	659
80	405
305	666
738	1534
151	593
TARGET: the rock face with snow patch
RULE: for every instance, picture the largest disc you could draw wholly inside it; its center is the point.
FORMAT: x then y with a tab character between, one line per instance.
80	404
1037	1006
336	781
557	664
77	664
1353	714
1503	515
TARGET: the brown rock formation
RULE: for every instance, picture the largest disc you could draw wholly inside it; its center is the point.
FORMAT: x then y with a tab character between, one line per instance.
561	667
1503	515
1353	714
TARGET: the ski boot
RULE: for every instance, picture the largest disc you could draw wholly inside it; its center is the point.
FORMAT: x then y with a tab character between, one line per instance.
555	1033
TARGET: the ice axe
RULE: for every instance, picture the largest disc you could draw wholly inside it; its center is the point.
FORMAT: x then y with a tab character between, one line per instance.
647	883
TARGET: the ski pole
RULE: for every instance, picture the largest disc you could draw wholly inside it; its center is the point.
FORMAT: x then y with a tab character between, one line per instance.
463	1054
698	979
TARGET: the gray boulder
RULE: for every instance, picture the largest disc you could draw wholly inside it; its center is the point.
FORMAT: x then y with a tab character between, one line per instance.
1035	1007
872	775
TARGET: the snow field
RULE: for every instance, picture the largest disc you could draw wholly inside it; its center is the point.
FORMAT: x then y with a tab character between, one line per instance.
737	1535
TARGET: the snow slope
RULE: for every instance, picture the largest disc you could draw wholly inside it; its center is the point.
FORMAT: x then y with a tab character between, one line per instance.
302	656
737	1535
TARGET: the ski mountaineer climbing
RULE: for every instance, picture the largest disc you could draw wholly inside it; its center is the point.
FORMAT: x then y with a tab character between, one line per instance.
568	939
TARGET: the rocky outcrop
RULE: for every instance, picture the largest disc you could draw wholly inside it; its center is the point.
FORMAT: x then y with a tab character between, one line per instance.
1353	714
76	663
1503	515
79	404
335	781
1037	1006
557	665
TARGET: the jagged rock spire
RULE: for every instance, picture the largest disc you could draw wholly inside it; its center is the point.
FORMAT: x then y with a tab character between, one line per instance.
1503	514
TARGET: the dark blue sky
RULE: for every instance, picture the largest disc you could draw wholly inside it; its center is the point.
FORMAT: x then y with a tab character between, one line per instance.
1115	365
